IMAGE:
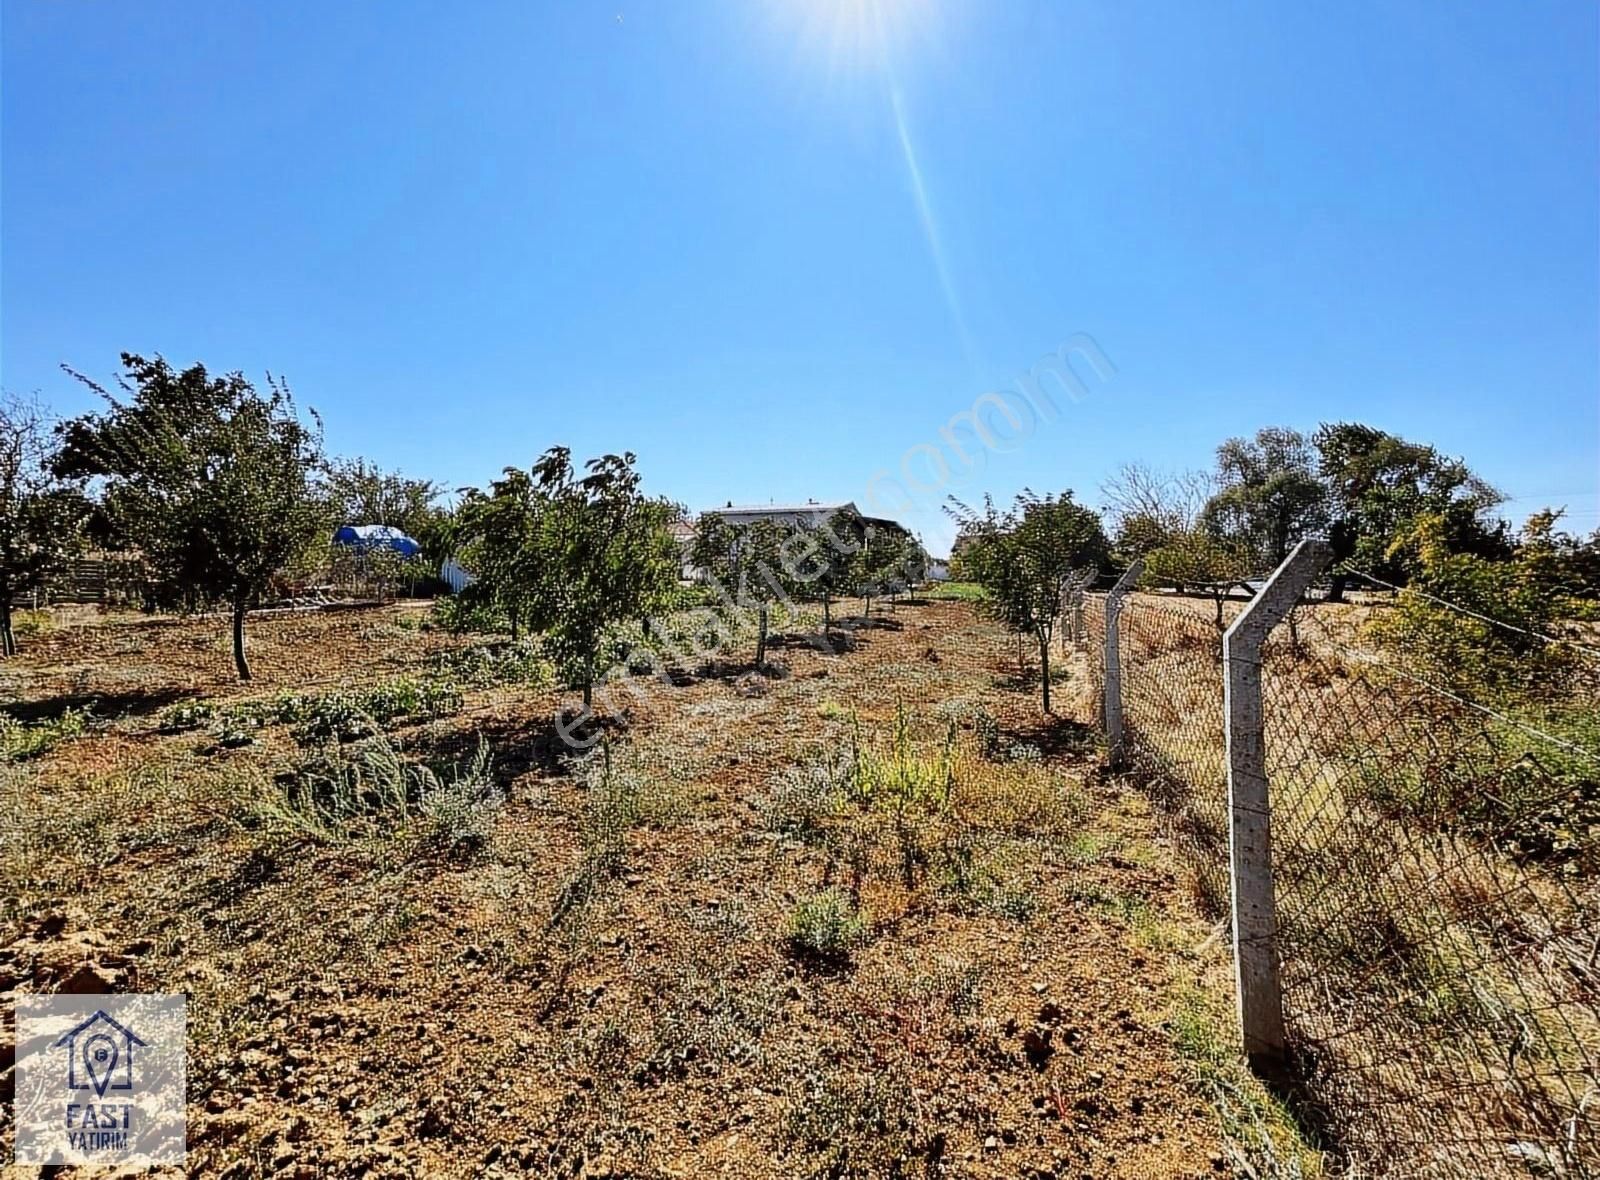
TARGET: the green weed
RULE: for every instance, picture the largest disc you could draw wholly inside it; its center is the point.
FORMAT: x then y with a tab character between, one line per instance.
826	927
20	740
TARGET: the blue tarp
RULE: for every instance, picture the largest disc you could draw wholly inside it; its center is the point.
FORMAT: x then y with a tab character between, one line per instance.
364	538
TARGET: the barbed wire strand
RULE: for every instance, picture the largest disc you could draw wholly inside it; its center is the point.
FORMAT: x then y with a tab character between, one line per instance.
1482	618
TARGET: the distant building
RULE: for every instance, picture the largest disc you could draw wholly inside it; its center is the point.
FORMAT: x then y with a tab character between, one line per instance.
812	513
684	533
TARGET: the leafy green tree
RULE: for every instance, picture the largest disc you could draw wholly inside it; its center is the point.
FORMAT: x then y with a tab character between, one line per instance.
1582	567
1380	484
41	514
496	532
601	555
1569	564
754	565
1024	556
818	560
363	493
1269	494
1472	624
1195	559
660	561
211	479
912	565
876	565
1140	534
387	570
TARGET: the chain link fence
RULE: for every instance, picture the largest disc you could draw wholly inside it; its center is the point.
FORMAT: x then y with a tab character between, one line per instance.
1437	897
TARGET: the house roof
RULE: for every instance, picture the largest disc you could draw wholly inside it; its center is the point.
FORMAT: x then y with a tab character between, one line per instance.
809	508
883	522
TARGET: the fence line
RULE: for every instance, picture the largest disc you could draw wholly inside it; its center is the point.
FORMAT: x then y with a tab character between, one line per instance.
1437	896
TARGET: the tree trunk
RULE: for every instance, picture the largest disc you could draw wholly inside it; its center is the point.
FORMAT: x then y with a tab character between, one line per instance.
515	624
1336	590
1044	668
239	660
588	678
827	624
8	641
761	638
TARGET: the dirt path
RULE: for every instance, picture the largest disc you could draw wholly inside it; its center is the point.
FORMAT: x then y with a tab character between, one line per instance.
612	986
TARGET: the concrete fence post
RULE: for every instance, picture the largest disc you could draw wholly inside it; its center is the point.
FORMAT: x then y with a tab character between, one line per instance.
1255	915
1130	577
1070	610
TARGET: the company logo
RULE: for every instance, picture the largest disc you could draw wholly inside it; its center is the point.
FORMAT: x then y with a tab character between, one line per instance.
100	1079
100	1054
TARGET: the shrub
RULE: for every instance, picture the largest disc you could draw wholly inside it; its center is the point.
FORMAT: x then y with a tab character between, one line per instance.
335	792
458	815
1500	661
1584	610
465	614
373	790
333	716
614	807
31	624
348	717
233	733
182	718
845	1123
489	665
19	740
1537	799
805	797
826	927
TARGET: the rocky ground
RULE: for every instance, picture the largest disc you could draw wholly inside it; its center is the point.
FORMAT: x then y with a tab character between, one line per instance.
867	914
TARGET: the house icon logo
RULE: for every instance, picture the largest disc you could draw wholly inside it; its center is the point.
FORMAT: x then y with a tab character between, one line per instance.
100	1054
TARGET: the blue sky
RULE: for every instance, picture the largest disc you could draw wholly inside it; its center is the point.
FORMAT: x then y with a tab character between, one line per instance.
773	247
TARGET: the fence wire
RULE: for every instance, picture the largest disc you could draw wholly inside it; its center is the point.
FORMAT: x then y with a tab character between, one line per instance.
1437	878
1173	723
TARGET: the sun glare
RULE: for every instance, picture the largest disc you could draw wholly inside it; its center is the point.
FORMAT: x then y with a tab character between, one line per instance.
855	36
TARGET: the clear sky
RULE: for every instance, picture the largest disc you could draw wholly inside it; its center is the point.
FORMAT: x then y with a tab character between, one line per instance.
773	247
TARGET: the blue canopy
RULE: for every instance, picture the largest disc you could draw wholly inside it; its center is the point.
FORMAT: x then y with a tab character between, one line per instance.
364	538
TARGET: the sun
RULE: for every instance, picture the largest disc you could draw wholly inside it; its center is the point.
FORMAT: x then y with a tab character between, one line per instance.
857	36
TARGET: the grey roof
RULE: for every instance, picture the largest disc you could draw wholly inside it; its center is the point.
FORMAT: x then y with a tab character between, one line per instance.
775	509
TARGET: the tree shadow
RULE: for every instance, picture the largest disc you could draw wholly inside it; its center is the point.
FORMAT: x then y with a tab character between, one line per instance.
520	745
137	703
871	623
835	642
1056	737
1017	682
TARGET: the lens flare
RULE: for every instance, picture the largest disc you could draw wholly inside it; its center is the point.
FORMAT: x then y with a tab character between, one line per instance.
866	40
